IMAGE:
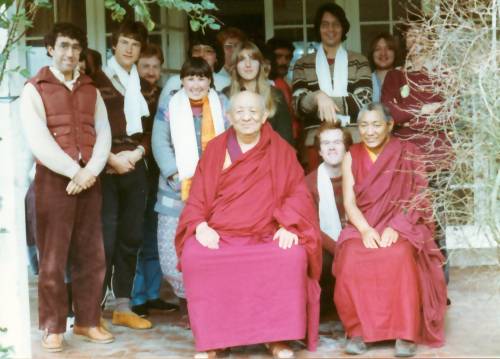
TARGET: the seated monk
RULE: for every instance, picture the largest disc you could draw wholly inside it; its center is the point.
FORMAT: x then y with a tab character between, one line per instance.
389	280
248	240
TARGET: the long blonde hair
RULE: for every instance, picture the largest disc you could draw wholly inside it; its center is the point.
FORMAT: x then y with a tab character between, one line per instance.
263	87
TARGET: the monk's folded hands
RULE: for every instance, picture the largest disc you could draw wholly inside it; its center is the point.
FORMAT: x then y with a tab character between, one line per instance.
286	239
389	237
370	237
207	236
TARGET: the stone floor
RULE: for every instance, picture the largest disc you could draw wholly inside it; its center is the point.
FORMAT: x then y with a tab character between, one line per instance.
472	329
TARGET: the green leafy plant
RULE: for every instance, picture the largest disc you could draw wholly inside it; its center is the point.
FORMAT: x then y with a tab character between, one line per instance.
199	19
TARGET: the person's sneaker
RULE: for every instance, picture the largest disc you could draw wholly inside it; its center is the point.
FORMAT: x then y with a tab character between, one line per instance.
159	304
356	346
141	310
404	348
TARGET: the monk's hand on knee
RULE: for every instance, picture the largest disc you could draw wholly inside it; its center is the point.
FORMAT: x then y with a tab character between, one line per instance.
370	237
286	239
207	236
389	237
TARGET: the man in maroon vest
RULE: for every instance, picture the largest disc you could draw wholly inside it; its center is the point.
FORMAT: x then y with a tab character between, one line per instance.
124	182
67	129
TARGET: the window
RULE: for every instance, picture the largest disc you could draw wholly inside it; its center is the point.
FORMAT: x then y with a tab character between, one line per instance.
376	16
72	11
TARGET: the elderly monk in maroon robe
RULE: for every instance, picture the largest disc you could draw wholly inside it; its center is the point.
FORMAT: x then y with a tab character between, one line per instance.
248	240
389	280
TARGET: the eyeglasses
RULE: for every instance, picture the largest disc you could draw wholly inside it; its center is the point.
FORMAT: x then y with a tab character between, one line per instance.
327	143
65	46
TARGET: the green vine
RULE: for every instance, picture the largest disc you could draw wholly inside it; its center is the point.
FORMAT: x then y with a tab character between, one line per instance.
16	17
197	12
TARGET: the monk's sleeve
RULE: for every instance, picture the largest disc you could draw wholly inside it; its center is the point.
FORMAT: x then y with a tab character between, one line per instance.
297	214
391	97
414	220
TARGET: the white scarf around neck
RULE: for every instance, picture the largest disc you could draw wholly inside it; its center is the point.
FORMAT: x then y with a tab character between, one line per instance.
183	132
337	87
329	219
135	105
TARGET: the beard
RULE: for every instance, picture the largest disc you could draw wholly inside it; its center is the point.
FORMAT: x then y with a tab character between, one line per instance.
282	70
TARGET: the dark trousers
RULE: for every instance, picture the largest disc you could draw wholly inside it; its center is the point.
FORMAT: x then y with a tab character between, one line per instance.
327	283
148	274
123	206
68	226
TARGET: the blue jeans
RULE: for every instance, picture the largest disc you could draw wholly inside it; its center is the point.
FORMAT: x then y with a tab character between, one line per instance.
148	275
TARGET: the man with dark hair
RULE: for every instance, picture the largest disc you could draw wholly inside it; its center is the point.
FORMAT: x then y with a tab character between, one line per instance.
333	83
67	129
208	49
283	54
124	183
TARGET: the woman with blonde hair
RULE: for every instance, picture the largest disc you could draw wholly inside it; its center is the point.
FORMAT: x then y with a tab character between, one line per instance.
249	73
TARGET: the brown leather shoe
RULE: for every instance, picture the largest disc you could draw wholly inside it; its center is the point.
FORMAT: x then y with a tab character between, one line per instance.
93	334
131	320
103	323
52	342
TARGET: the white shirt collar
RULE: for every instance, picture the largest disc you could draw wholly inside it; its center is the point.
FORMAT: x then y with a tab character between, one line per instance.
60	76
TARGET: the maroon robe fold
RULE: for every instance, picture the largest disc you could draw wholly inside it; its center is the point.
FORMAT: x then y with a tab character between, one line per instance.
399	291
246	203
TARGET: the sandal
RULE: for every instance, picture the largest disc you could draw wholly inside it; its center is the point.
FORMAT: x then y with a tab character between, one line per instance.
280	350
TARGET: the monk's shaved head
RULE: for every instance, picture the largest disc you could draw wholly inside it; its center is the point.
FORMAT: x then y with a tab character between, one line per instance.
247	113
246	97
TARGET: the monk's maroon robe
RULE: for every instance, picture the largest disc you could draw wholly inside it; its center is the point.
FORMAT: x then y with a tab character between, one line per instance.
398	291
249	290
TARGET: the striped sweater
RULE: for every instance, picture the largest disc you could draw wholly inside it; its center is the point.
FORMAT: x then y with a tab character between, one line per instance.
305	87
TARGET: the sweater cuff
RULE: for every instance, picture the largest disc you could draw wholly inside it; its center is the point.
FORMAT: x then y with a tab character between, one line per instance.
71	172
308	102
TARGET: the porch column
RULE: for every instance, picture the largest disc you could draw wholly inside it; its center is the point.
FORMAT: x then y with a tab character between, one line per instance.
14	303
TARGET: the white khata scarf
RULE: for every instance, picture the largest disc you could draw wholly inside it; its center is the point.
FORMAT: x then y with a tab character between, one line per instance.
337	87
329	219
135	105
183	132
